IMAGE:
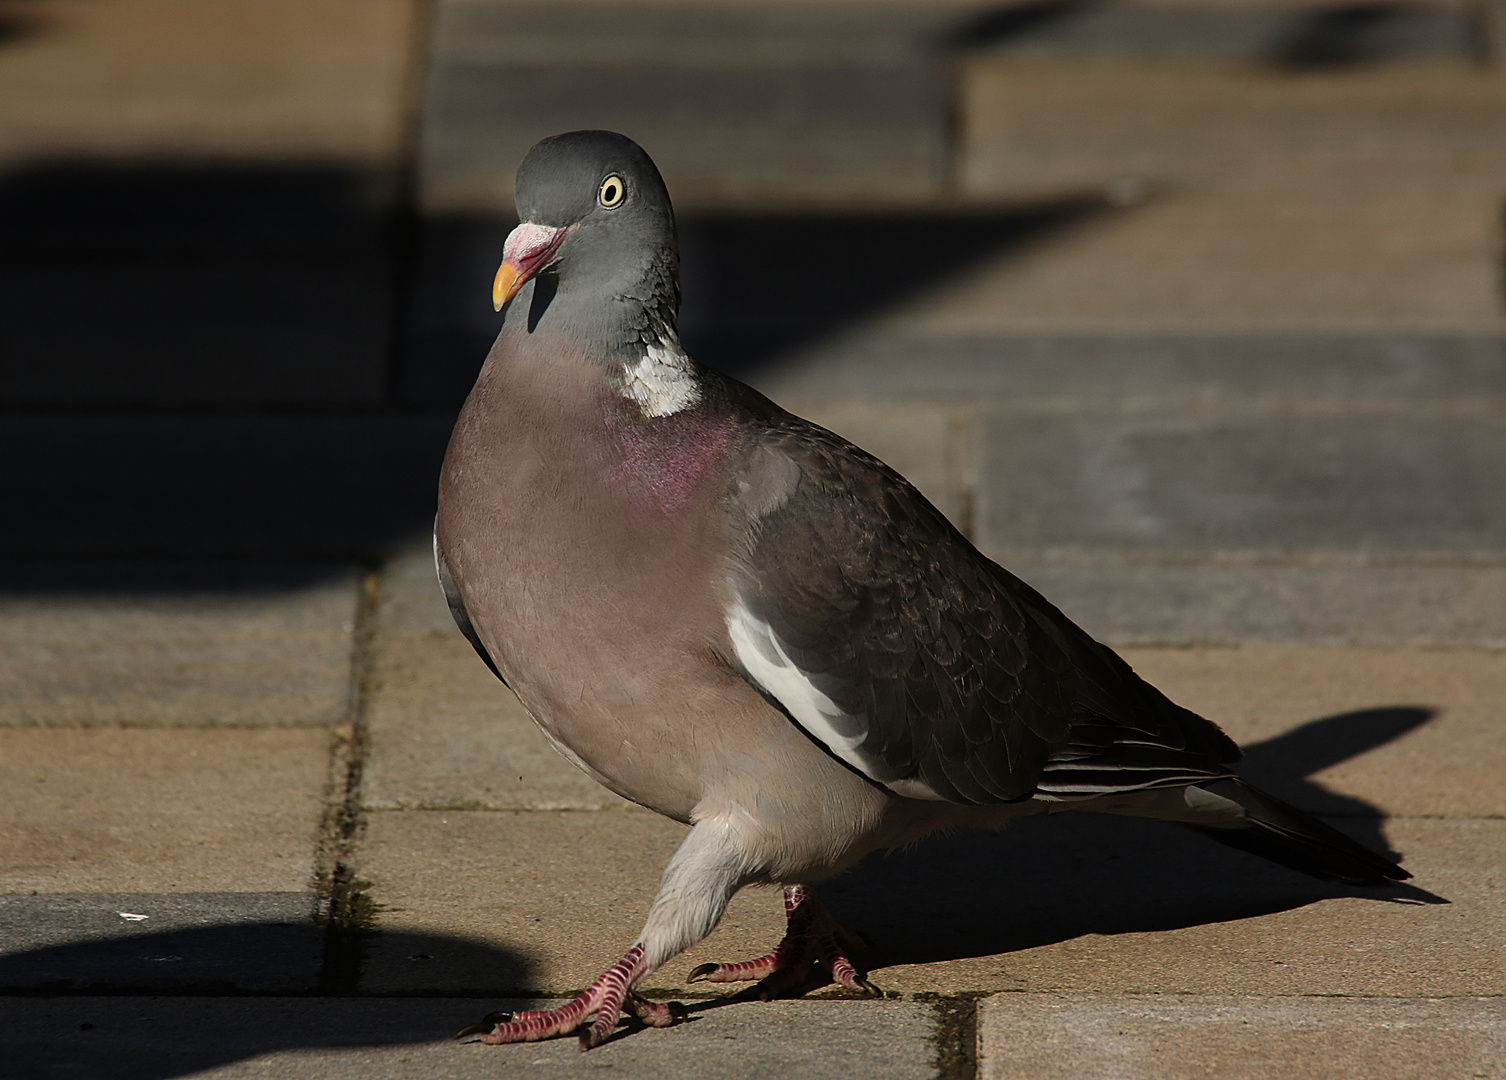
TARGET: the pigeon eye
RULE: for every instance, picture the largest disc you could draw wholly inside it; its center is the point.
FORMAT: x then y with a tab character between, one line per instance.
612	191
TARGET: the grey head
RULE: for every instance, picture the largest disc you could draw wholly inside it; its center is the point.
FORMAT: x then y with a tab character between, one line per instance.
597	236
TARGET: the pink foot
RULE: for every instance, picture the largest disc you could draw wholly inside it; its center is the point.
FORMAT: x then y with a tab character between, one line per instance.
811	935
608	997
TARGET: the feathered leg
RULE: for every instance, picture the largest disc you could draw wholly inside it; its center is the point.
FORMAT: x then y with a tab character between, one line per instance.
700	879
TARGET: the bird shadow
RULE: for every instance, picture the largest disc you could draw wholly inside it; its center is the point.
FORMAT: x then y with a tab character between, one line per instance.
1052	879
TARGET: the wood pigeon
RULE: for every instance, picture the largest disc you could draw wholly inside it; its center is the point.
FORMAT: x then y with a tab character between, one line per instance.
734	617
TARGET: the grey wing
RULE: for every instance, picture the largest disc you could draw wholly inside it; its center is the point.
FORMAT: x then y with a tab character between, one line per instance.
864	615
457	609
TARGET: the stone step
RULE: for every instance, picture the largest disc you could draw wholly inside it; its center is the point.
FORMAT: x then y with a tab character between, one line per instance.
228	1038
1066	1036
729	99
1275	488
1181	373
191	942
175	644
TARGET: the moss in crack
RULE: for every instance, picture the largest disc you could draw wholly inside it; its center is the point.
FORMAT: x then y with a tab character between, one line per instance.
344	908
350	924
955	1035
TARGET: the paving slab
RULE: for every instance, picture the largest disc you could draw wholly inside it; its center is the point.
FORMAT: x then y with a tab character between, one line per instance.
175	645
160	942
377	1039
1402	732
1056	1037
1343	199
1326	258
728	98
171	77
1073	902
175	485
1274	485
1136	603
152	811
1234	126
1228	373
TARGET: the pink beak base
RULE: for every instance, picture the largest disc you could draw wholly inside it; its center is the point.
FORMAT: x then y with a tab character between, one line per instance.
528	250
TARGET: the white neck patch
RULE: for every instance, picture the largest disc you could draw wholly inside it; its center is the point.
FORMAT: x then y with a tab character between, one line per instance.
663	382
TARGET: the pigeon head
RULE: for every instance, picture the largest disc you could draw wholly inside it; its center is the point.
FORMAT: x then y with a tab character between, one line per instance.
594	213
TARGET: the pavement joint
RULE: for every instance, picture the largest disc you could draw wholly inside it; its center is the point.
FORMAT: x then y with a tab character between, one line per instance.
344	907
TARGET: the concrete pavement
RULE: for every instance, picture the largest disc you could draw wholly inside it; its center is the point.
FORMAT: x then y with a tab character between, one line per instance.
1200	332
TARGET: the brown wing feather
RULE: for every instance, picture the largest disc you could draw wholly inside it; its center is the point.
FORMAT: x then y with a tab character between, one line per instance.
968	680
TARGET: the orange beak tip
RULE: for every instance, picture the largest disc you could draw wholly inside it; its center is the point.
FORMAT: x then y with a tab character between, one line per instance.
506	285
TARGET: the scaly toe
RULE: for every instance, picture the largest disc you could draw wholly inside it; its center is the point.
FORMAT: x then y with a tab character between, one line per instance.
654	1013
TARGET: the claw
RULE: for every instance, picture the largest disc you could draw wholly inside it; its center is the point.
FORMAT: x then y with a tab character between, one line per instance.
606	998
485	1025
653	1013
812	935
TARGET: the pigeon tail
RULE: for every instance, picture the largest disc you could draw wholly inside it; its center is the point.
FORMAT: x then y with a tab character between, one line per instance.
1295	839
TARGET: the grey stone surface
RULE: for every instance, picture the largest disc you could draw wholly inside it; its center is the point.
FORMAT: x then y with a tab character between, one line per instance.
411	600
172	644
1146	372
1361	199
1128	603
1277	485
181	79
292	486
154	811
730	99
1408	732
386	1039
1066	1037
160	942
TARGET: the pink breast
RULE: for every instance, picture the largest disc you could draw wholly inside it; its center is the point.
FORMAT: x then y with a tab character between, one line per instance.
667	458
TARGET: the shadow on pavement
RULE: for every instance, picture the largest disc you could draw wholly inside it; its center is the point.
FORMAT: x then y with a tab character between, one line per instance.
198	357
758	283
1049	880
1337	36
80	1012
